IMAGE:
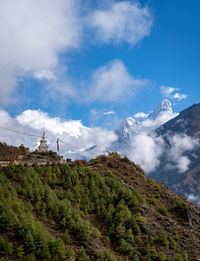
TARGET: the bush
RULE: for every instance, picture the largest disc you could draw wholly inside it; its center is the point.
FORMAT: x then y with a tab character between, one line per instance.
178	257
84	233
30	257
96	233
67	238
82	255
114	154
163	211
162	240
178	206
5	247
176	236
172	243
125	247
70	253
20	251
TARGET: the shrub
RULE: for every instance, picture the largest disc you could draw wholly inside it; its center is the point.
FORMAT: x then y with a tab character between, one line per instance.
20	251
84	233
161	257
96	233
114	154
125	247
106	241
30	257
5	247
172	243
70	253
82	255
178	206
162	240
67	238
149	182
163	211
178	257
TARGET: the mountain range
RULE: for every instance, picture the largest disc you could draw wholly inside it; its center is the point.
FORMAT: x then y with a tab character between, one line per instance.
166	145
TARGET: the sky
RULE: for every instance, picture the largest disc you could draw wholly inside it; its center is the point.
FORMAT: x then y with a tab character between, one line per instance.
98	61
94	63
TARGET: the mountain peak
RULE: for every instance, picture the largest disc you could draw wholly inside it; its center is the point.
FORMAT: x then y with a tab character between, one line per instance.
164	106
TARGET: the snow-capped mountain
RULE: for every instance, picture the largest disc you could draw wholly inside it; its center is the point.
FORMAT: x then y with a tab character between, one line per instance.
130	126
127	129
163	106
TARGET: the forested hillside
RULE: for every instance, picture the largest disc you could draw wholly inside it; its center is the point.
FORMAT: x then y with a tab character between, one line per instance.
105	209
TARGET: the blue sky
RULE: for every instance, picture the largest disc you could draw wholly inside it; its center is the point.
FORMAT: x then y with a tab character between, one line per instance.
74	66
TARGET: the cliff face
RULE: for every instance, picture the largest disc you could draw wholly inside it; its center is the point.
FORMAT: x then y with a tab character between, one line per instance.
188	122
105	209
186	183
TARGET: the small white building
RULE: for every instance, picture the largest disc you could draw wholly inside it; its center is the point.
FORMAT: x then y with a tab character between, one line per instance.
43	147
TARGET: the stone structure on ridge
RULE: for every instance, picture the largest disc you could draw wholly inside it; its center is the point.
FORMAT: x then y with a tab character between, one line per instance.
43	147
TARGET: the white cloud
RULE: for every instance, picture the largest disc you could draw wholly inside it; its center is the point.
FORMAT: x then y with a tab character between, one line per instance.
146	151
40	120
44	74
113	83
32	35
109	112
76	136
194	198
152	124
179	96
140	115
168	92
123	21
181	143
142	146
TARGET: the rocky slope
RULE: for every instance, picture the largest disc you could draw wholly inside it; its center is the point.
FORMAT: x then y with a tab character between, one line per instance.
105	209
186	183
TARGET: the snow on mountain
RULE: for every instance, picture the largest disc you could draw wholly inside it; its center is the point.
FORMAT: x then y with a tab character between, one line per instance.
127	129
131	127
163	106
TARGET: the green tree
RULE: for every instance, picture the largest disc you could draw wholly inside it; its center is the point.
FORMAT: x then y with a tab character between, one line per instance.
82	255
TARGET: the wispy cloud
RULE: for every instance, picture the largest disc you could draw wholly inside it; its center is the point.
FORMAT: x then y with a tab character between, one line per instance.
170	92
113	83
108	112
122	22
140	115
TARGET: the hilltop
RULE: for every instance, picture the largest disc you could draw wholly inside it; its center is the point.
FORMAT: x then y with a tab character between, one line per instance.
104	209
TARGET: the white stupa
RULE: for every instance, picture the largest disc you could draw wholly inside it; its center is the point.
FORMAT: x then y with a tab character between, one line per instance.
43	147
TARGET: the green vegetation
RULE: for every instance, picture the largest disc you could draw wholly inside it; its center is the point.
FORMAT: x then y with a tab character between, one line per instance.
163	211
178	206
47	210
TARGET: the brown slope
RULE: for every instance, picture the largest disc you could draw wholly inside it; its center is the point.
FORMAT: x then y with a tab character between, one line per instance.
156	195
185	220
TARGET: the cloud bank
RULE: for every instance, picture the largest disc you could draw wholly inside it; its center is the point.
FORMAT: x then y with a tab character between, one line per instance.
146	148
77	137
